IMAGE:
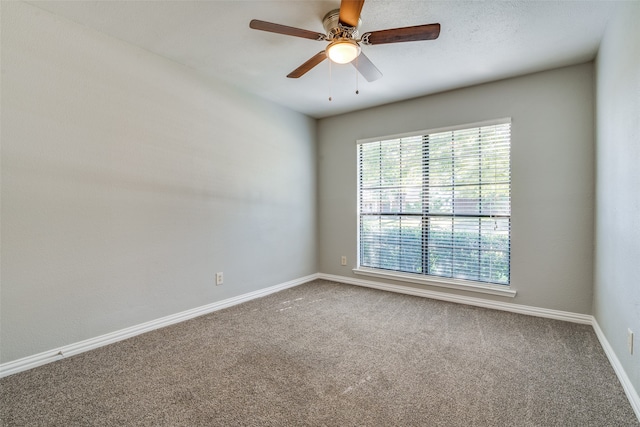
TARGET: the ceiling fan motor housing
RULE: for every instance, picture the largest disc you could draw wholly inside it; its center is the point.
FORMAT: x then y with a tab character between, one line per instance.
331	24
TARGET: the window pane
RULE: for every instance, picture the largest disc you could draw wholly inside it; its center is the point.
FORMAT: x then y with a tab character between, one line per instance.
391	243
438	204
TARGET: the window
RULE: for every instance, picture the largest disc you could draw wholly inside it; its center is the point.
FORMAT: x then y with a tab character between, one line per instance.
438	203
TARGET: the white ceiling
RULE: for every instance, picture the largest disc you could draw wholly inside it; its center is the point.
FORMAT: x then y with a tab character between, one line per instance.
480	41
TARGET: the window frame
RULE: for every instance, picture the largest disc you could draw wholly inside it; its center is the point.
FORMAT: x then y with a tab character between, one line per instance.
446	282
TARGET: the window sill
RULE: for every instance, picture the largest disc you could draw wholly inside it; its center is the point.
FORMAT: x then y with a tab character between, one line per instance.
463	285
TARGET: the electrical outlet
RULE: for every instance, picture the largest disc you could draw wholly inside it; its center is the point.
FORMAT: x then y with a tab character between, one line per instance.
343	260
630	340
219	279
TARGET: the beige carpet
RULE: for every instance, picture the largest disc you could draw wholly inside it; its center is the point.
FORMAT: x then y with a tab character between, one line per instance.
328	354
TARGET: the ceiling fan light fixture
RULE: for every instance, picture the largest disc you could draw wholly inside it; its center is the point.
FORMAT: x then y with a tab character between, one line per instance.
343	51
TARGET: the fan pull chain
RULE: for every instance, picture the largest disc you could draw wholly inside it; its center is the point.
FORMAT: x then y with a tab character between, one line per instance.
357	91
330	98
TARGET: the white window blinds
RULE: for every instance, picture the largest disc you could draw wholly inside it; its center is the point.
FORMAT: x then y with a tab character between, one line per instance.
438	203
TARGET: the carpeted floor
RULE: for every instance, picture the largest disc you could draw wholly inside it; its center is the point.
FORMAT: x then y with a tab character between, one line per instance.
328	354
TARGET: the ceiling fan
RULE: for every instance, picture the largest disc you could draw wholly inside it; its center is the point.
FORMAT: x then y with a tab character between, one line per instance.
342	27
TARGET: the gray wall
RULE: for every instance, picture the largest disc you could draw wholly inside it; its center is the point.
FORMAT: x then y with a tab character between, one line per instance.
617	262
128	181
552	177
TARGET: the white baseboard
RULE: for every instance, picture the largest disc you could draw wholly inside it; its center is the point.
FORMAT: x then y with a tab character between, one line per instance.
45	357
630	391
461	299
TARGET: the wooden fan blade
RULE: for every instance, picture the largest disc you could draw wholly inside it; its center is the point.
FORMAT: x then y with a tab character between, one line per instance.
350	12
365	67
284	29
304	68
404	34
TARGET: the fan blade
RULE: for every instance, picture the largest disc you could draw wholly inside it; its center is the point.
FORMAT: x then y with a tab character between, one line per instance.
404	34
364	65
304	68
350	12
286	30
